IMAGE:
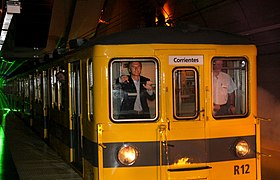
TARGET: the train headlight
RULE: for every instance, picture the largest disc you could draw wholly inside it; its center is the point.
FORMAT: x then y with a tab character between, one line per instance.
127	155
242	148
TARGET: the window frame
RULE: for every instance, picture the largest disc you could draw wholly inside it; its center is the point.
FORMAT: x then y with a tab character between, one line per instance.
246	69
90	89
196	93
113	79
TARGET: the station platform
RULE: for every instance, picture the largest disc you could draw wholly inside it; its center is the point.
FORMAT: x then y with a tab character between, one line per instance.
23	155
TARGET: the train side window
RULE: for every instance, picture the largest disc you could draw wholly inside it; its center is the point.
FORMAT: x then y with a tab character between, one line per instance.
61	87
185	93
53	87
26	95
26	88
90	88
229	87
37	86
19	87
31	87
39	80
134	90
21	93
45	89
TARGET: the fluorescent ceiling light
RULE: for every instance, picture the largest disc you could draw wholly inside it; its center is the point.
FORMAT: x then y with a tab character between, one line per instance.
3	35
5	27
7	21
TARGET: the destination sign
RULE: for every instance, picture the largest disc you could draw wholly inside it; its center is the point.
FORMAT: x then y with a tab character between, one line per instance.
186	60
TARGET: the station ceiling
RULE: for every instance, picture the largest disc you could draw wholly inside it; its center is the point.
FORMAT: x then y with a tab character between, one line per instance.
44	25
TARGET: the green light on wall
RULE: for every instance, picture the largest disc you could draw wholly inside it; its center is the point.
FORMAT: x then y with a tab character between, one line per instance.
5	112
3	101
2	147
6	68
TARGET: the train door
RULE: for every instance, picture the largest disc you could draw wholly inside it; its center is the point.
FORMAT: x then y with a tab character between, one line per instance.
75	110
184	151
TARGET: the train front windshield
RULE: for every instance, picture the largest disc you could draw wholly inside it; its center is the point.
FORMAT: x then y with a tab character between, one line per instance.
229	87
134	85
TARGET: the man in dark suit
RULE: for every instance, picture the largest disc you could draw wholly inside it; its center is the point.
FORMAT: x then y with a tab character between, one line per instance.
137	89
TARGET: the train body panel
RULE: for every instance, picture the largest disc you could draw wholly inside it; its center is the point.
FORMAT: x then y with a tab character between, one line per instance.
172	125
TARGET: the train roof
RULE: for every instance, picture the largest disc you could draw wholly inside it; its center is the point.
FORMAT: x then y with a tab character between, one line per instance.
171	35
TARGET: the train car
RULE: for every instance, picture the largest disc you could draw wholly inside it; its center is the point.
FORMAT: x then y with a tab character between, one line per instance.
157	103
19	96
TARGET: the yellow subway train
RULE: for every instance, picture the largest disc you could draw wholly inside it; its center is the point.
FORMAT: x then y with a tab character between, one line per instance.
151	103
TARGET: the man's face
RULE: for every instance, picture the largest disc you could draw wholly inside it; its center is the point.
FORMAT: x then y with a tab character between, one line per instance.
135	68
218	65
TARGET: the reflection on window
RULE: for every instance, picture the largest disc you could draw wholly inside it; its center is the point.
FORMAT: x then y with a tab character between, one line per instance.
229	84
134	90
185	93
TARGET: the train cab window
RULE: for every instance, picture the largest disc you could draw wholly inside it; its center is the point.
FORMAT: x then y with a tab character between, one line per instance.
229	87
134	89
185	93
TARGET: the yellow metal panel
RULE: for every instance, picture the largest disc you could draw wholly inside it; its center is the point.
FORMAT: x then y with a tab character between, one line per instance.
239	169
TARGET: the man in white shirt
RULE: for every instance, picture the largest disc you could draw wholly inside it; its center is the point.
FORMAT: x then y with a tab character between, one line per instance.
223	91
